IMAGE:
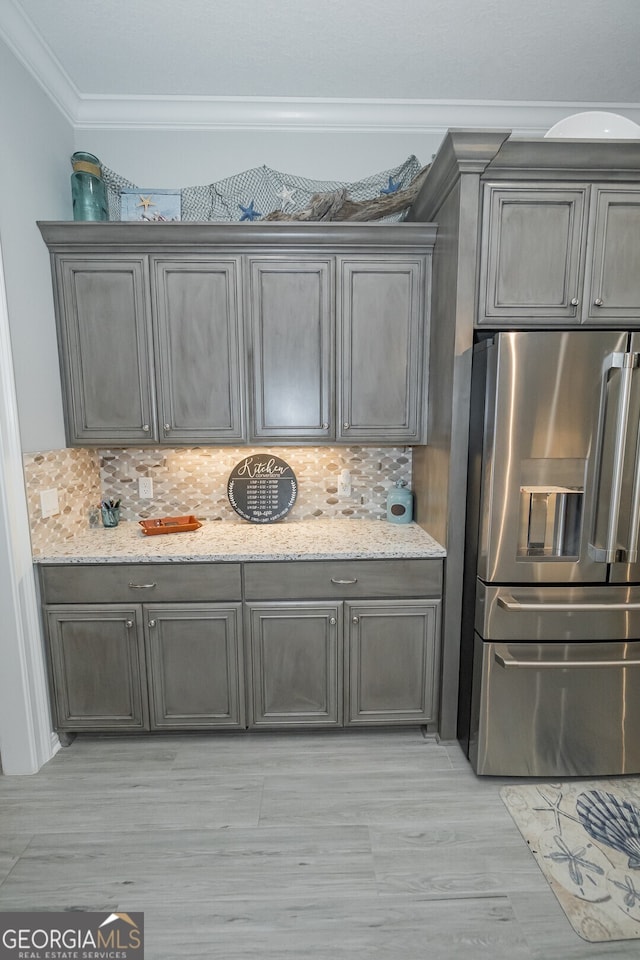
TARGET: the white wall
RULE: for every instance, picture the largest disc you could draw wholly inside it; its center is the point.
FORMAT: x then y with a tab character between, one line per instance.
172	159
35	148
34	160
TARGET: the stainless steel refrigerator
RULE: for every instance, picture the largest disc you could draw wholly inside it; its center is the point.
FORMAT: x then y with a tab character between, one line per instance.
550	654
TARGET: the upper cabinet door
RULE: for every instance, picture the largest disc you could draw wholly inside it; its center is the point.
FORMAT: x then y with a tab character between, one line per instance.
291	314
613	271
532	254
105	349
200	353
381	361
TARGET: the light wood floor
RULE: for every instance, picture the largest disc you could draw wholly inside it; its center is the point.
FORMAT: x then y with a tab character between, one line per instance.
360	845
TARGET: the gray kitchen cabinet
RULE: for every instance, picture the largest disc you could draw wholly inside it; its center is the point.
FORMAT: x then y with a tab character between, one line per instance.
295	664
532	255
379	617
97	667
343	363
104	331
292	337
559	254
198	339
175	662
195	670
274	332
381	352
264	644
391	661
612	284
341	579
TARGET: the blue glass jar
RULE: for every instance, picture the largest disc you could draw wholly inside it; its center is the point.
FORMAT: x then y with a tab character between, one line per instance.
88	192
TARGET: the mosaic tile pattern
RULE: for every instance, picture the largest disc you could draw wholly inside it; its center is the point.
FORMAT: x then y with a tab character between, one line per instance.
75	474
194	480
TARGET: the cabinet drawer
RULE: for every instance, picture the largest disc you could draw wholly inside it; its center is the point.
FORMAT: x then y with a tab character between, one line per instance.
140	582
342	579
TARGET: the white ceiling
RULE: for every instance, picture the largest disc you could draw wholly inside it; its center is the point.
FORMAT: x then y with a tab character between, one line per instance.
88	53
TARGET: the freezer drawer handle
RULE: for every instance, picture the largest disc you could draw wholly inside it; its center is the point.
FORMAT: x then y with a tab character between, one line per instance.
506	660
508	602
339	582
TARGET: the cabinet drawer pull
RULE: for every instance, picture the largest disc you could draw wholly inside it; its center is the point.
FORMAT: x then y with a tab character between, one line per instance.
339	582
141	586
128	624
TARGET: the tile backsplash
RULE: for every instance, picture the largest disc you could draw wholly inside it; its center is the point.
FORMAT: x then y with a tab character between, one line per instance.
75	474
194	480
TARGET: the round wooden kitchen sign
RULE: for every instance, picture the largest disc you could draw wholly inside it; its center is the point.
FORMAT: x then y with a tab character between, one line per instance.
262	488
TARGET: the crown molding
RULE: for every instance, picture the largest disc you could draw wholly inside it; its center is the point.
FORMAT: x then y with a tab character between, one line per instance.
102	112
461	152
67	236
525	118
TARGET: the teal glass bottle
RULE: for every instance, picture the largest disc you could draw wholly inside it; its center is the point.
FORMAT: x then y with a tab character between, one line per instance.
400	503
88	192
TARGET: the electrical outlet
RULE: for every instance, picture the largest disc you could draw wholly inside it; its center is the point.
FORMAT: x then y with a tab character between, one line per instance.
344	484
49	505
145	488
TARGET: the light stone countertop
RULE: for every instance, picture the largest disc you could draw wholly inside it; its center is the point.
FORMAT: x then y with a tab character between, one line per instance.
221	540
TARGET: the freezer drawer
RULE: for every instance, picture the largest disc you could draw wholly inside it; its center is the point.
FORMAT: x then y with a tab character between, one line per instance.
519	612
555	709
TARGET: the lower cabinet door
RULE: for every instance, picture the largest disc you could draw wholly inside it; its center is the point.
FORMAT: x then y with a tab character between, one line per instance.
194	656
96	660
392	661
295	664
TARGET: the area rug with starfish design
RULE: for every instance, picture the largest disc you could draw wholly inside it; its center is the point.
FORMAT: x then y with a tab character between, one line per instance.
585	837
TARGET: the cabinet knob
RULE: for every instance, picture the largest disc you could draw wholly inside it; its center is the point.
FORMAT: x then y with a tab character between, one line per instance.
355	619
146	427
575	302
325	426
345	426
597	302
152	623
128	624
167	427
332	621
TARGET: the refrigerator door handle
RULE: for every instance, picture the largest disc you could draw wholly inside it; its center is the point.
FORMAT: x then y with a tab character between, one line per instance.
625	362
509	602
634	521
505	658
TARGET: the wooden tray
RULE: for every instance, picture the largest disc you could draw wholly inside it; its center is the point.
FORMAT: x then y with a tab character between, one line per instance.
169	525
